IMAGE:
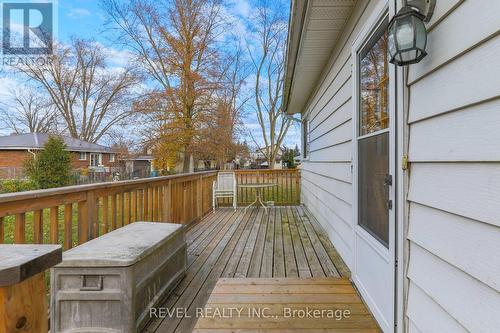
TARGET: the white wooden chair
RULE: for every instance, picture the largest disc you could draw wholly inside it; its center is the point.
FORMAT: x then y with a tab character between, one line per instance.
224	187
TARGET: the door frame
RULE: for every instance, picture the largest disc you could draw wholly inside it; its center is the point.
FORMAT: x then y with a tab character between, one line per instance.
383	10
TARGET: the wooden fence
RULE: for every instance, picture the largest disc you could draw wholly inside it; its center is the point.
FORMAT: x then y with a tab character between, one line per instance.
287	191
73	215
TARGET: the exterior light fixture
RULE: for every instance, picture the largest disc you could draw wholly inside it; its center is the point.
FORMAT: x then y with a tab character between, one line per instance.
407	33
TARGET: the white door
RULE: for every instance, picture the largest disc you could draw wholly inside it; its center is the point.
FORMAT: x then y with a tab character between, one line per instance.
374	157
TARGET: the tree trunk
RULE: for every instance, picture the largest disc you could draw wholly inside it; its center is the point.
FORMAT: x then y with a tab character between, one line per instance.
186	163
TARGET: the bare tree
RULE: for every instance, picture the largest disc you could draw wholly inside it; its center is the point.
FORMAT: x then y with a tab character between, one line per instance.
268	59
90	97
175	43
225	124
28	112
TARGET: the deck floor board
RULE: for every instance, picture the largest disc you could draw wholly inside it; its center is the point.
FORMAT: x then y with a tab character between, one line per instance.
229	244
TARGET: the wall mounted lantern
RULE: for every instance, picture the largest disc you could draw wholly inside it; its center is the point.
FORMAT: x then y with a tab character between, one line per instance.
407	33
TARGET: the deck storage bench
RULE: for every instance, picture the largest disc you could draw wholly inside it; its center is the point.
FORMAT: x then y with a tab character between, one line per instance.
110	283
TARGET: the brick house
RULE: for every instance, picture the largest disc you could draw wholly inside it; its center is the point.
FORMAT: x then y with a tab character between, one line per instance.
14	149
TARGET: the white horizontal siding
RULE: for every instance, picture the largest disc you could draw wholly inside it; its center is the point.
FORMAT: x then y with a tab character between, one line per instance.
412	328
470	302
338	230
341	134
339	98
327	177
339	171
454	36
333	120
470	79
421	307
441	10
454	179
339	189
471	190
341	152
456	136
440	232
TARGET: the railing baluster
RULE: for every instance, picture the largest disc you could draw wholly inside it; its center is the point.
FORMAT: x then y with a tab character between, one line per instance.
38	226
2	231
105	214
126	213
113	212
54	225
83	222
155	204
19	228
133	196
121	196
160	203
167	203
68	226
146	204
140	212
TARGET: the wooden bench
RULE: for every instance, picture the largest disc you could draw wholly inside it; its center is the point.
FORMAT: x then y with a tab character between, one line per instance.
110	283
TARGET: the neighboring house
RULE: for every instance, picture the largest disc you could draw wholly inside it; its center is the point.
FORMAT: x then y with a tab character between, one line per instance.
259	158
14	149
401	164
138	166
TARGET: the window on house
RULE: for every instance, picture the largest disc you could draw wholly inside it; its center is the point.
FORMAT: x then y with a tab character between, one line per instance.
83	156
95	159
305	138
111	158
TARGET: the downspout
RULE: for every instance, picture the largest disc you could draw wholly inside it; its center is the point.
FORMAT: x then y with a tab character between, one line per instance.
31	152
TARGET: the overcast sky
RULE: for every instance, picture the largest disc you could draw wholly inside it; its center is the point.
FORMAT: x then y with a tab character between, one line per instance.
85	19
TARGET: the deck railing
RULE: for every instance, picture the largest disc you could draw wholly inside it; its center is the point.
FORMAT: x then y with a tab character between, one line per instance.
287	191
73	215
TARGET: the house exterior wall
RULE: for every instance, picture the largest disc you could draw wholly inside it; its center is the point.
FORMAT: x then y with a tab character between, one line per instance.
454	183
13	158
16	158
327	188
452	224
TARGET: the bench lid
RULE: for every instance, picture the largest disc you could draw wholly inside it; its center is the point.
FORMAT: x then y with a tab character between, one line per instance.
122	247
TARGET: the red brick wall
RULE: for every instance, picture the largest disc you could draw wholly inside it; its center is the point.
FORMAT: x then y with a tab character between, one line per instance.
13	158
16	158
77	164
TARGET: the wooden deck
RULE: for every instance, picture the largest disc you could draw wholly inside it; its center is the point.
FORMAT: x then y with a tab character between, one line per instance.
285	305
228	244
